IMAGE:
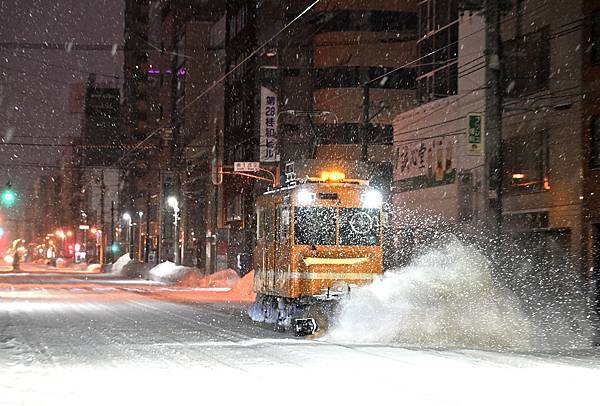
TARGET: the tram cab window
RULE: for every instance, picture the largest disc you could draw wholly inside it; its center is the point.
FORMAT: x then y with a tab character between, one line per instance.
314	225
359	227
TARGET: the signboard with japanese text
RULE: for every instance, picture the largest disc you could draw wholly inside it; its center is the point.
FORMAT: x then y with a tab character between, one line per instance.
422	164
246	166
268	126
475	134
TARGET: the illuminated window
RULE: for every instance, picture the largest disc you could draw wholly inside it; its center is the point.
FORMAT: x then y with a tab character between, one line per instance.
526	163
595	143
527	63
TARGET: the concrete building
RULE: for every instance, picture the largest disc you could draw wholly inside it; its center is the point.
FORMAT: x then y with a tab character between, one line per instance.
186	73
101	142
437	171
94	177
217	236
141	114
548	181
361	55
590	101
136	44
542	127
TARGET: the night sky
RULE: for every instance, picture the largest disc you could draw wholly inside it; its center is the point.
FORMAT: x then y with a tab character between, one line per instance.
34	84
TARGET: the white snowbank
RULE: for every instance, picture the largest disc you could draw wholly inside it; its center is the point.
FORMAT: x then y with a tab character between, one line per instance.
446	298
93	268
168	272
117	266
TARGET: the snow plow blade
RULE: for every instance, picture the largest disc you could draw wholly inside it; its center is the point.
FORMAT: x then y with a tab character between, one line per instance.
305	327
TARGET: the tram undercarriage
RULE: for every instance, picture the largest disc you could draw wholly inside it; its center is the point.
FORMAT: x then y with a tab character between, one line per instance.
308	316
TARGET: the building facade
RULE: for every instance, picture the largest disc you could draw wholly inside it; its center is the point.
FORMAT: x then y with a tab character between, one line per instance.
542	126
336	78
438	169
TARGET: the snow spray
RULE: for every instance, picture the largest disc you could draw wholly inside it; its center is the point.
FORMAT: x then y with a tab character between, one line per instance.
447	298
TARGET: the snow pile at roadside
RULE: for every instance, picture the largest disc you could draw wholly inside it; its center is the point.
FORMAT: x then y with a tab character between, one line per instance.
231	286
445	298
225	278
94	268
168	272
244	288
117	266
190	286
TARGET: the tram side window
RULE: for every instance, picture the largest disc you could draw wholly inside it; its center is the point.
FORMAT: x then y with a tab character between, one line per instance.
264	225
283	224
314	226
268	224
359	227
260	227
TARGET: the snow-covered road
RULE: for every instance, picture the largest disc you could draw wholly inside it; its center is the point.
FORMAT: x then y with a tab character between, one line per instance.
90	343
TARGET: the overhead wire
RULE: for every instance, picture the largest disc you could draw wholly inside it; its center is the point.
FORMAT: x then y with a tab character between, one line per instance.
40	61
535	11
235	67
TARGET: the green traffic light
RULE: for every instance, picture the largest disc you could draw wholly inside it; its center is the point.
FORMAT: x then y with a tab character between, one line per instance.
114	248
8	197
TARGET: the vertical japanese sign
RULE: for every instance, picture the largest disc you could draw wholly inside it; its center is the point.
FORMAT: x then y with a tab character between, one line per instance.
268	126
475	134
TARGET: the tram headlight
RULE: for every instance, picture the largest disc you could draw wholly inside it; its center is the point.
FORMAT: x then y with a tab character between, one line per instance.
304	197
372	199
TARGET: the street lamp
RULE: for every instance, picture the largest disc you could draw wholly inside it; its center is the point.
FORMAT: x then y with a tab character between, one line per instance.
127	218
174	203
140	257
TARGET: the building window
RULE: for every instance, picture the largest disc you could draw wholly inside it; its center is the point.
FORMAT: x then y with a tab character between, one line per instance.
527	63
350	133
388	21
595	143
596	37
364	20
436	14
349	76
526	163
437	49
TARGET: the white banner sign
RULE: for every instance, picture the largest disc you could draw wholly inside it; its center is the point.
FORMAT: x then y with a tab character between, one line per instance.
268	126
430	158
246	166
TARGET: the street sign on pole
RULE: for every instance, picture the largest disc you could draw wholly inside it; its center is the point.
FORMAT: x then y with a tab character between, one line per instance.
475	134
246	166
84	227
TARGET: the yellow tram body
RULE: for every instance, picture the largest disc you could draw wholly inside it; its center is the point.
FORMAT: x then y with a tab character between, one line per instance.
320	236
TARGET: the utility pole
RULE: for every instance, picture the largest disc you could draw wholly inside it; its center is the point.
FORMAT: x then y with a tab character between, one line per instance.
112	230
147	240
365	117
102	222
177	253
494	160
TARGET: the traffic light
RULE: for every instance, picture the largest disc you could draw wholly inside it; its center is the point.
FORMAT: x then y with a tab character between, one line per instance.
114	248
8	195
